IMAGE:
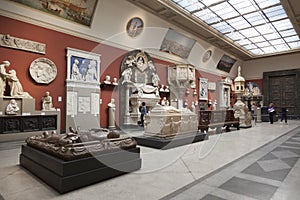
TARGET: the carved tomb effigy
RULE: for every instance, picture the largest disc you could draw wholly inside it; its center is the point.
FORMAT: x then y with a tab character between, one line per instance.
169	127
76	159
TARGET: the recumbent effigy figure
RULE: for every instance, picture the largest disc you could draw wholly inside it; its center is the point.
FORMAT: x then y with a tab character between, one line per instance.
74	145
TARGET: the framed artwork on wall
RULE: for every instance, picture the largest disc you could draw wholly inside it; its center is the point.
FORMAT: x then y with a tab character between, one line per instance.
83	66
134	26
203	89
79	11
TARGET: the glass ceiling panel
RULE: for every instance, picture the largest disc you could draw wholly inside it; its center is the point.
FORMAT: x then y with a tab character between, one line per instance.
283	24
272	36
243	42
235	36
239	23
263	44
291	39
256	51
266	3
210	2
259	26
265	29
294	45
257	39
243	6
255	18
250	32
288	33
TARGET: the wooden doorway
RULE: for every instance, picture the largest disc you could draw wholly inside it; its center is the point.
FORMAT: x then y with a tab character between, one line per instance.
282	88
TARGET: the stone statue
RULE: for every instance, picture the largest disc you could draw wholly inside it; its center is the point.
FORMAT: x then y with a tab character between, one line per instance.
127	73
115	82
155	79
12	108
47	102
3	76
111	114
16	89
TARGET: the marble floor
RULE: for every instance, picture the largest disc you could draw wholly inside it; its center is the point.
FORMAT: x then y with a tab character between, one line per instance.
261	163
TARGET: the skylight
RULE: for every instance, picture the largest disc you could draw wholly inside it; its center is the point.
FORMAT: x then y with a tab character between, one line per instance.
259	26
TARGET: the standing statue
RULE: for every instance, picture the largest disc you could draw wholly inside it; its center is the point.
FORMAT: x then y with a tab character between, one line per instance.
111	114
47	102
76	75
155	79
3	76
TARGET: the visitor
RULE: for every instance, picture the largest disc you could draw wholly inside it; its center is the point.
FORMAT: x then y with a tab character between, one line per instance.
284	111
143	113
271	111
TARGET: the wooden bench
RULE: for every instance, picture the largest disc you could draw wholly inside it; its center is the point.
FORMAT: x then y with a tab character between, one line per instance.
217	119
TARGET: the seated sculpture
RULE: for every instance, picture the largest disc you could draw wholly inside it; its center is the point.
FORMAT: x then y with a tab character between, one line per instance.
12	108
47	102
74	145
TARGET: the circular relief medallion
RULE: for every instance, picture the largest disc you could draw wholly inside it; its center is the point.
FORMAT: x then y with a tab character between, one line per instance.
43	70
206	56
134	26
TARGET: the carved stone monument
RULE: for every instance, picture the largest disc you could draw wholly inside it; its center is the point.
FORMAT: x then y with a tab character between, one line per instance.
240	109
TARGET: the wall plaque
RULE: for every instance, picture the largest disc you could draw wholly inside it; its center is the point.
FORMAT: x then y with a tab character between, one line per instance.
22	44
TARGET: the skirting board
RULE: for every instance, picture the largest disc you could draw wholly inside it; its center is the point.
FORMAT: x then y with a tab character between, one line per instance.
65	176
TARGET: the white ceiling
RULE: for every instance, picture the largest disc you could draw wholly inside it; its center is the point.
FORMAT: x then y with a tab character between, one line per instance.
174	14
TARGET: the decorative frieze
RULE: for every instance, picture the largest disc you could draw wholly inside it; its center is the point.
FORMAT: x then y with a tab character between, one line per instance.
22	44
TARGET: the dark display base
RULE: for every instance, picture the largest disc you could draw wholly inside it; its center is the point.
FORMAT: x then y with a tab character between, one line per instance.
164	144
65	176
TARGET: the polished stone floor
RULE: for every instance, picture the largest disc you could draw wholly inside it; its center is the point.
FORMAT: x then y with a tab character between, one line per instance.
260	163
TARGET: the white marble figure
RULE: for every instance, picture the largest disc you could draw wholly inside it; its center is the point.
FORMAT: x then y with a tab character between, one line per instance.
127	73
115	82
107	80
76	75
111	114
162	88
165	102
16	89
214	106
167	89
193	107
47	102
12	108
3	76
155	79
91	74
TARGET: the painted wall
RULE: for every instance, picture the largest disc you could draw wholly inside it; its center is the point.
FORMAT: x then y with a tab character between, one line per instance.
254	69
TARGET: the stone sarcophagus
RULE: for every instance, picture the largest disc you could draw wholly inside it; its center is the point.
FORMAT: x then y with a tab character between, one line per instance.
168	122
76	159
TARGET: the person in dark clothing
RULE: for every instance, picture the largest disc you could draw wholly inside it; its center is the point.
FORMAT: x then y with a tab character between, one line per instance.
284	111
143	113
271	111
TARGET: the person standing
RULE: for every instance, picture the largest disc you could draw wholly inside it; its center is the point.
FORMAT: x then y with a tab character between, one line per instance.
284	111
271	111
143	113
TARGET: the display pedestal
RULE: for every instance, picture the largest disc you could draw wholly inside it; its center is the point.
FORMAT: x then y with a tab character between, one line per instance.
65	176
168	143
